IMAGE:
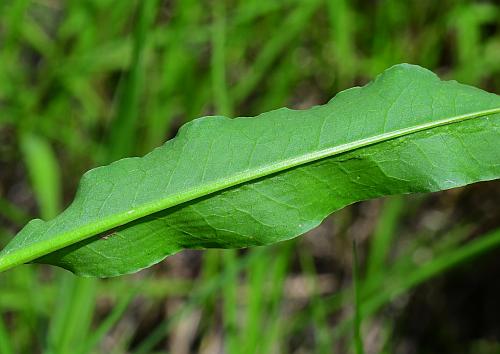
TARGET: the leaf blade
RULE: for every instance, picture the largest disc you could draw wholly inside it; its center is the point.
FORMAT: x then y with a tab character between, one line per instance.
196	169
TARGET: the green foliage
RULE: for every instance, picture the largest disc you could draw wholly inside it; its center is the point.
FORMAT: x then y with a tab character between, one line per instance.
246	182
64	71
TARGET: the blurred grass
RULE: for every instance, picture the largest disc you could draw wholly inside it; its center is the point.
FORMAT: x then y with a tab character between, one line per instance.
85	82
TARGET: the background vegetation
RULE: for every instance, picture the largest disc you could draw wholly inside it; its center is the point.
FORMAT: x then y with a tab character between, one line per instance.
83	83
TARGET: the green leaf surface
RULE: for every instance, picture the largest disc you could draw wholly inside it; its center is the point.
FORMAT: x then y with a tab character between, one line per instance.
243	182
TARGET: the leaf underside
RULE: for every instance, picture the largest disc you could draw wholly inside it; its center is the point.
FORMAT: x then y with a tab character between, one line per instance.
232	183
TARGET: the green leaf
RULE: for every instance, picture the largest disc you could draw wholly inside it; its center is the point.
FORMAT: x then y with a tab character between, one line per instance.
255	181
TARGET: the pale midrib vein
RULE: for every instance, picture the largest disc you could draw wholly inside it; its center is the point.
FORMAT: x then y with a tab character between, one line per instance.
42	248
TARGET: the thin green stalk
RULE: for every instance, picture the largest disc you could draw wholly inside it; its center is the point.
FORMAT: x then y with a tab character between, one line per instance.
255	303
5	343
230	304
73	315
278	276
44	171
322	335
123	130
219	82
381	241
358	340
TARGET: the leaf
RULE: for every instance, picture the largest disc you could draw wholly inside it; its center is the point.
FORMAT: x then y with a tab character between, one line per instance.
256	181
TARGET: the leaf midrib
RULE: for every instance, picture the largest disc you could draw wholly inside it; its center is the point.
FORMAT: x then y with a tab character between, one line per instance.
42	248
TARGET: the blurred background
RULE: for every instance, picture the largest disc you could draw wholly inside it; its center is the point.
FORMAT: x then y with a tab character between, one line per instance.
83	83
